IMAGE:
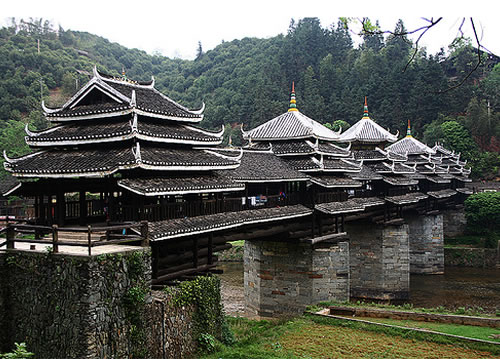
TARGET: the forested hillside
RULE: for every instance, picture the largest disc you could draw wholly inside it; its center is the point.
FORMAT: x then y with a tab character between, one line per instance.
248	81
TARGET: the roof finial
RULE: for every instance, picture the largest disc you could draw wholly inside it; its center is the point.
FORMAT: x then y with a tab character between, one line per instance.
365	110
293	103
408	131
123	73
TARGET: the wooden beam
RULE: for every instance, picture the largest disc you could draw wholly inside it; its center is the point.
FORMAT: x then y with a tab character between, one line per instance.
315	240
180	273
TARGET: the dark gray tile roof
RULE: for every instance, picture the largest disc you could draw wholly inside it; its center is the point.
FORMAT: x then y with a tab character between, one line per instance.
292	147
103	161
369	155
335	181
445	193
170	229
302	163
400	180
7	183
216	181
368	131
411	146
72	161
366	174
348	206
264	166
339	165
290	125
151	100
412	197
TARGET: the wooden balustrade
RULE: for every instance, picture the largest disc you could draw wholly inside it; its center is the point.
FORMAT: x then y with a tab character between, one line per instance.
117	234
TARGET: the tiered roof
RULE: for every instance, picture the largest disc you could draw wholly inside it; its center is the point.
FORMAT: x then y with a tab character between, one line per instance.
367	131
437	164
115	125
304	144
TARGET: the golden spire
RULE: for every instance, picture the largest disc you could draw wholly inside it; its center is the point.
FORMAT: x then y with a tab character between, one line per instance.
293	102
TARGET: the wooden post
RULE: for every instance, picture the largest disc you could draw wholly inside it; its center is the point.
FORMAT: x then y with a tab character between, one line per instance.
343	222
89	238
10	235
61	208
320	224
210	248
55	239
337	224
313	229
195	252
156	258
144	234
83	208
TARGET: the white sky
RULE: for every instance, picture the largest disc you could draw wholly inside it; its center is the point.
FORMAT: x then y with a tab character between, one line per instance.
174	28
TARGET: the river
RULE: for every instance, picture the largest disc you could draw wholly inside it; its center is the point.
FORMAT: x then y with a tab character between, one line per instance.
458	287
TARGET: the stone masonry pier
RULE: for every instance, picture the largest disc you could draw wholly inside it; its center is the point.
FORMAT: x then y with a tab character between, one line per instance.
426	244
379	261
284	277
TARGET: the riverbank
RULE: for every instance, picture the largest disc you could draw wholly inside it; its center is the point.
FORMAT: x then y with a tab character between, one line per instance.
318	338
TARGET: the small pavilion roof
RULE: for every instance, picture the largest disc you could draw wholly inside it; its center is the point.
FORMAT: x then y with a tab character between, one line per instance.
409	145
367	131
445	193
216	181
335	181
412	197
290	125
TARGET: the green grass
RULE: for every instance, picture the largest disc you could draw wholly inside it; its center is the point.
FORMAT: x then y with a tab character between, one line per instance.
470	311
315	337
469	331
238	243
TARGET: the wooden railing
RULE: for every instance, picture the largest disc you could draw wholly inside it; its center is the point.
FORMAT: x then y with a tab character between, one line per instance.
173	210
326	197
107	235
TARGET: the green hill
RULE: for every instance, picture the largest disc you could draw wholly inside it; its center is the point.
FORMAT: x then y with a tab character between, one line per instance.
248	81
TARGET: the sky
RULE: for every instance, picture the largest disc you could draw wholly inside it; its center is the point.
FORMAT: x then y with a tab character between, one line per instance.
174	28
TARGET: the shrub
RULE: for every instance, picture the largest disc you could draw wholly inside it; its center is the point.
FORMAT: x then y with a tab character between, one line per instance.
482	211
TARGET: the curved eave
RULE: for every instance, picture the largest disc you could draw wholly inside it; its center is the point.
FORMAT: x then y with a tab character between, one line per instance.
12	190
118	138
325	185
269	180
173	192
122	112
96	173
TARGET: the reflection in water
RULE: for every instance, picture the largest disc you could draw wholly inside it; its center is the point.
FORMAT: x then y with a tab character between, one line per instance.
458	287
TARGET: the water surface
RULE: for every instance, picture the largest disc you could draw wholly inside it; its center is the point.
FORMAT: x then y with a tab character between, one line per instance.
458	287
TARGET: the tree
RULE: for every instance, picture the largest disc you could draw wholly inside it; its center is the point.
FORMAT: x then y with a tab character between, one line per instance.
458	139
199	51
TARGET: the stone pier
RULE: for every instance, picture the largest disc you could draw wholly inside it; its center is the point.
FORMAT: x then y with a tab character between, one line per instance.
426	244
283	278
379	261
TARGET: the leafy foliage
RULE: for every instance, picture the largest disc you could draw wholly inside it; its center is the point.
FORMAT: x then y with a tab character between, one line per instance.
20	352
481	210
248	81
209	320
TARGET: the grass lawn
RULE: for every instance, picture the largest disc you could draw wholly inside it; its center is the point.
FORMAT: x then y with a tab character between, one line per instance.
323	338
485	333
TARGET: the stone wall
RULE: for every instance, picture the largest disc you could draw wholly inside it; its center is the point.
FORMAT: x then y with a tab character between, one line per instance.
426	244
379	261
454	223
171	328
67	306
283	278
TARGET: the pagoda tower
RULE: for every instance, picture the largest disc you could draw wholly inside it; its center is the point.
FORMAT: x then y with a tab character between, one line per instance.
120	150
